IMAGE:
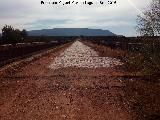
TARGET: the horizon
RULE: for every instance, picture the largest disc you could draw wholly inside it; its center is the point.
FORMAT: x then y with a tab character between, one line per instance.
71	32
31	15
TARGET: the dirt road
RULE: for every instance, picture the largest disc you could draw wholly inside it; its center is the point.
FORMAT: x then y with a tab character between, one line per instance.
73	83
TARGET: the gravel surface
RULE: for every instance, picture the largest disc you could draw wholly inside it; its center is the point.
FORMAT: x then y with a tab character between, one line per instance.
80	55
81	88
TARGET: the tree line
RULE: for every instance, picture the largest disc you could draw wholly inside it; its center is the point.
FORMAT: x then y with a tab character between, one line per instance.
148	24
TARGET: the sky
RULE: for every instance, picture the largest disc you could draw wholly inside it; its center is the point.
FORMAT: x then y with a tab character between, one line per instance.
119	18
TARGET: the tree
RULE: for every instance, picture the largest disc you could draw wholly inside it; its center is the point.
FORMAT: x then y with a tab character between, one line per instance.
11	35
17	36
24	34
1	39
149	21
7	34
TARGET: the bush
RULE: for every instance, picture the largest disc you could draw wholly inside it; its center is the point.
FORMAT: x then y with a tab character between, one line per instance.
11	35
146	61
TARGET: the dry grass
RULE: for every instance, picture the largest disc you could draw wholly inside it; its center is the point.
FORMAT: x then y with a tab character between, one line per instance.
20	63
141	92
106	51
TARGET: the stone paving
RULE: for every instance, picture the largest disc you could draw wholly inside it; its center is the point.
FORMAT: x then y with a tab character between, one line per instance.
80	55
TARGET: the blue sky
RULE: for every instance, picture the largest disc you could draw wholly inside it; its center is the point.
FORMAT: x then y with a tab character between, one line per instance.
119	18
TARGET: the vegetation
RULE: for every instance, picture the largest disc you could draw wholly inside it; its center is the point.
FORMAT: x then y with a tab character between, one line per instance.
146	61
142	53
11	35
149	20
28	44
149	55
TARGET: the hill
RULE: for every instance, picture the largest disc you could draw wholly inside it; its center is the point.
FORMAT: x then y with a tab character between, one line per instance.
70	32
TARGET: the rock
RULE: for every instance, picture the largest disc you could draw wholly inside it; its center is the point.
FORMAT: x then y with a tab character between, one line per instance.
80	55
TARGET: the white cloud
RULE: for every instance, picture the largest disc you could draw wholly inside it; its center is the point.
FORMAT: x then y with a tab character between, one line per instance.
28	14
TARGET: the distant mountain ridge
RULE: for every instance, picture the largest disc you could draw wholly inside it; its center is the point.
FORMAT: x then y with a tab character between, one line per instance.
70	32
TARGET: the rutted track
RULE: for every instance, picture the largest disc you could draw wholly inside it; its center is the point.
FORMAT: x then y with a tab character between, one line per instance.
38	92
80	55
